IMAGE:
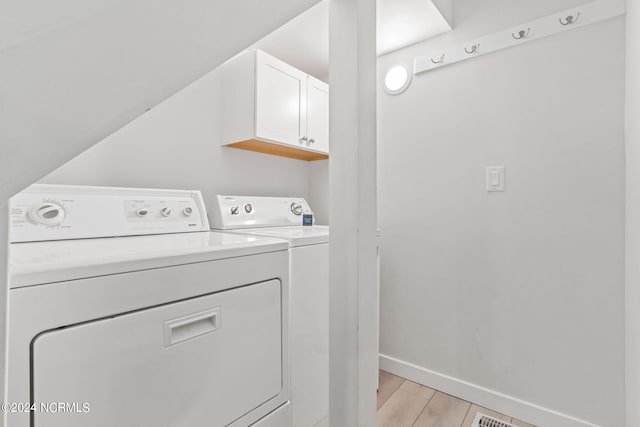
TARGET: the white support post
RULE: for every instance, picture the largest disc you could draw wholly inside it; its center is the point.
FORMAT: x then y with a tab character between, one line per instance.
632	279
4	301
353	356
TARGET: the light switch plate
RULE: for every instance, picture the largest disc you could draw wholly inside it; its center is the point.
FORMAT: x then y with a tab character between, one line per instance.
495	178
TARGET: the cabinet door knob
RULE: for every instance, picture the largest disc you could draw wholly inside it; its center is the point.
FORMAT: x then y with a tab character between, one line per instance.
303	139
311	140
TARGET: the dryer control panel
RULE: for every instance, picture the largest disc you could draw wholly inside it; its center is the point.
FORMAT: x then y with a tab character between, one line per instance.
238	212
57	212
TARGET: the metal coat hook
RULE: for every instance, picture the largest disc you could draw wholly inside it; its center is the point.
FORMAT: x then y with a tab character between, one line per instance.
521	34
569	19
474	49
438	60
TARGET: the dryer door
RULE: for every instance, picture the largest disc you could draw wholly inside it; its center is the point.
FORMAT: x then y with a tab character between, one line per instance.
201	362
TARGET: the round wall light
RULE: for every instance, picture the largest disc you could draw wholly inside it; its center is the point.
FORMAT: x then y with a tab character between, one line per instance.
397	79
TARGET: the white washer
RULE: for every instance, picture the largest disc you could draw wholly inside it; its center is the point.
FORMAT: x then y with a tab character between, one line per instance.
183	329
282	217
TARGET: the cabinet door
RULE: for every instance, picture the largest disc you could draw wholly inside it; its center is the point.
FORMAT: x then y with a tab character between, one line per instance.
318	115
280	101
201	362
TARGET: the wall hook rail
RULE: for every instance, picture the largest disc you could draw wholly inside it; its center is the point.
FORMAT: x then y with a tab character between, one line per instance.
473	49
588	13
438	60
570	19
522	34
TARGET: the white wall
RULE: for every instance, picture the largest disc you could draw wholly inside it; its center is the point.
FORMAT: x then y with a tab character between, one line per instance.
4	297
68	79
319	190
518	292
633	213
177	145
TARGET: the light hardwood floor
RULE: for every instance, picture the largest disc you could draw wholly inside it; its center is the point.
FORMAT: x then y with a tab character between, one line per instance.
402	403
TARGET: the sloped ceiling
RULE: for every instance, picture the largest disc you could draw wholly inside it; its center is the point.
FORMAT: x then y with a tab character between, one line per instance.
74	71
304	41
405	22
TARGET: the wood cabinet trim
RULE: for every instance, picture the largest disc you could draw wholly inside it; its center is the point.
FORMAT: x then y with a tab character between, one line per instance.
278	150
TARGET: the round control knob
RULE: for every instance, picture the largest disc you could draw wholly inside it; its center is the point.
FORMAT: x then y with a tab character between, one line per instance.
248	208
142	212
166	211
48	213
296	208
235	210
187	211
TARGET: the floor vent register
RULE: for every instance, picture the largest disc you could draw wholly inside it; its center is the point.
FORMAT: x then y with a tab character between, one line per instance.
483	420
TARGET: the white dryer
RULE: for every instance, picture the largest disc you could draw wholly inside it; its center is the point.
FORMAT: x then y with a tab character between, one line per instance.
125	310
283	217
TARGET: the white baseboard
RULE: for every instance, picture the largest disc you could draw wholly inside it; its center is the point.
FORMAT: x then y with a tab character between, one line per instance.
517	408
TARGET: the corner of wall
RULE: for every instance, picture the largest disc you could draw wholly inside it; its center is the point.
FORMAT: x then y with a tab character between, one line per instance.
632	232
446	10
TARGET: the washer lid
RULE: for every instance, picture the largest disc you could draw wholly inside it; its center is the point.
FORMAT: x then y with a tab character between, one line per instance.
46	262
297	236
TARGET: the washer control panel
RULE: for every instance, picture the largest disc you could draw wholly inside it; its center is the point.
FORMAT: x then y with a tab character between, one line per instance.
236	212
56	212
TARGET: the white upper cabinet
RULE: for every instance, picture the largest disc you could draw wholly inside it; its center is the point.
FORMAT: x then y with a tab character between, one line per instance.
271	107
280	101
317	114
